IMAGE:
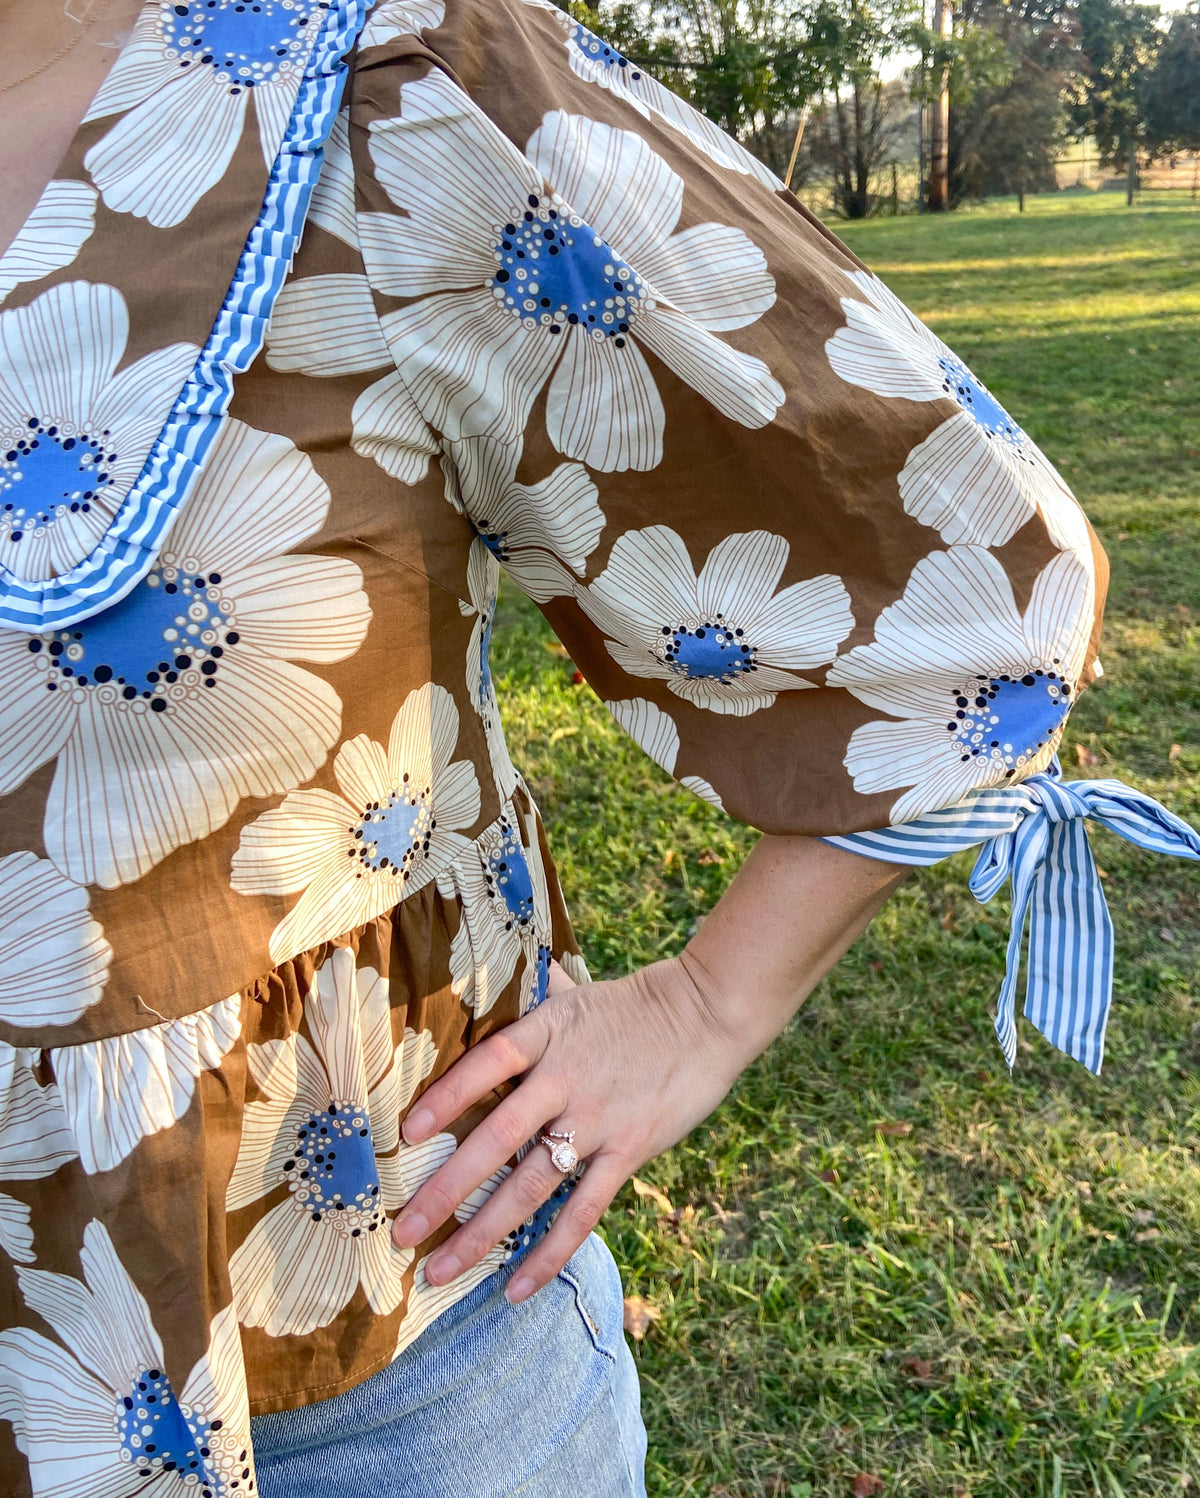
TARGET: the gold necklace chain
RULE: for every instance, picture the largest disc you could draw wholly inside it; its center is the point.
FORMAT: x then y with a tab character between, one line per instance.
84	27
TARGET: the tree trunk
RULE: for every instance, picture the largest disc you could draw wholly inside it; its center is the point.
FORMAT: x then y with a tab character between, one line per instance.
939	134
1021	194
1131	174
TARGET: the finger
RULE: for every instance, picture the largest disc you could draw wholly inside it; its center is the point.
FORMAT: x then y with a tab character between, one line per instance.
507	1054
558	981
584	1208
486	1148
515	1200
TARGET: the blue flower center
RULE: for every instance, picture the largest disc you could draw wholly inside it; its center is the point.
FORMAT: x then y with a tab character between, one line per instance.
556	271
712	651
541	977
164	641
244	42
394	836
156	1436
1006	720
495	541
485	661
47	472
978	402
596	50
508	876
332	1172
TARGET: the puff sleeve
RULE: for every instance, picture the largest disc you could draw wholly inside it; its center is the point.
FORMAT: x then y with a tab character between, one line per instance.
806	558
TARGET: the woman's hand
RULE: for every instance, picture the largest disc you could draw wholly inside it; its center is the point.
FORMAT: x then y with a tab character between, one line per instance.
631	1066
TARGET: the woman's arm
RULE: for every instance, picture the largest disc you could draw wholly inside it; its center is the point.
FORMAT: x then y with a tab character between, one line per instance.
634	1064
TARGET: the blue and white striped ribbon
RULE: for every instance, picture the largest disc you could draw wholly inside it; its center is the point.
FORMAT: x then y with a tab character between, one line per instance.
1034	834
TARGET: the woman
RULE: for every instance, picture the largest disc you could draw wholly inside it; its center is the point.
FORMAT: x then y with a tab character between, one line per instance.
287	982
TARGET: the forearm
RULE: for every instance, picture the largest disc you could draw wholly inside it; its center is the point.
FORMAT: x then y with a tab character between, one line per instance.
794	908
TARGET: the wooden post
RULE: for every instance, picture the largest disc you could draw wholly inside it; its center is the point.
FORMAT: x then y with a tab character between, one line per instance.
791	167
939	134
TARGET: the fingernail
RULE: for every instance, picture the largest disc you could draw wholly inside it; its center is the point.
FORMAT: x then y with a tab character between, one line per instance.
442	1268
409	1229
418	1125
520	1290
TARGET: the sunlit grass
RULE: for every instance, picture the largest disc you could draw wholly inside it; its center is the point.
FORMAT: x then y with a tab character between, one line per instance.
1002	1301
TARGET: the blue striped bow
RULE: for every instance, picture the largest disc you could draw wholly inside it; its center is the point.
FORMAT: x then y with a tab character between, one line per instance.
1034	834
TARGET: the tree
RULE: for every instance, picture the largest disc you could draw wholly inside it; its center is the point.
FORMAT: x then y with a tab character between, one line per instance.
1118	44
1173	89
1009	66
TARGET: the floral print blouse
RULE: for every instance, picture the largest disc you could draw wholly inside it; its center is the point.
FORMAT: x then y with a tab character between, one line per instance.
266	867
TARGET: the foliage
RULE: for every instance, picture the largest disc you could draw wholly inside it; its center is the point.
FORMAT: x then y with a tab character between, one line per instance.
1173	89
1118	43
1006	85
1005	1299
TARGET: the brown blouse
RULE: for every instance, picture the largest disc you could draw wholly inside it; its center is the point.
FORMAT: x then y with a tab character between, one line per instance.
266	868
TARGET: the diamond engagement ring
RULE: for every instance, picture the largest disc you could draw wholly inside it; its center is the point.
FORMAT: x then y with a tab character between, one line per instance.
562	1149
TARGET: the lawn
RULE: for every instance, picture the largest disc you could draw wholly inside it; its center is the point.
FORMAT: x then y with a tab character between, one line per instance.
995	1294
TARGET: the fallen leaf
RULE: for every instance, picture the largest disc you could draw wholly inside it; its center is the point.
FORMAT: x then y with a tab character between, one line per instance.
1147	1235
1086	756
668	858
893	1130
867	1485
1143	1217
639	1316
576	678
651	1193
1166	933
707	857
830	1177
555	647
720	1493
1065	1339
1174	752
561	733
877	965
916	1368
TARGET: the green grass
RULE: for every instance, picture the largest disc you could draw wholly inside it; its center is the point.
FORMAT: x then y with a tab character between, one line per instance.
1033	1240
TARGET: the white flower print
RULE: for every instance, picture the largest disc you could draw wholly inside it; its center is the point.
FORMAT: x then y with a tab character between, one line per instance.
977	478
655	732
530	528
391	831
392	18
182	85
332	203
168	707
53	955
73	432
981	691
505	916
597	61
98	1417
483	576
552	270
328	1128
51	236
325	326
34	1141
724	640
124	1088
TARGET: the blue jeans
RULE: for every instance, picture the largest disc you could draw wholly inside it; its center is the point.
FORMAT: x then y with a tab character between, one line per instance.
492	1400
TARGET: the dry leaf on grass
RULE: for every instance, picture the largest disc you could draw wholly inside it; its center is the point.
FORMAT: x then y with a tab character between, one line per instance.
1143	1217
639	1316
1174	752
916	1368
651	1193
893	1130
830	1177
1147	1235
1086	756
707	856
867	1485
